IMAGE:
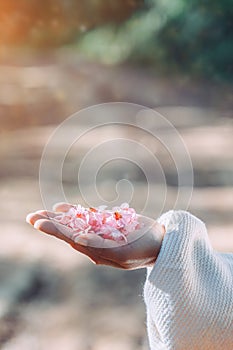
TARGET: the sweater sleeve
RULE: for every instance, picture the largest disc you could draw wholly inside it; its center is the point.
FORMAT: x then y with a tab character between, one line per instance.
189	291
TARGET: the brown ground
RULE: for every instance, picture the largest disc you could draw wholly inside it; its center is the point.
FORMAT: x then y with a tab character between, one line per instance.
50	296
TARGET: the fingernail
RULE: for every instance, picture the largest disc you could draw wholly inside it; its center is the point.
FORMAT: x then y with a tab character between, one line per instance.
28	218
81	241
37	224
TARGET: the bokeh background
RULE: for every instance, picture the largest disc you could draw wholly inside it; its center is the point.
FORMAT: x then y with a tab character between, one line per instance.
57	57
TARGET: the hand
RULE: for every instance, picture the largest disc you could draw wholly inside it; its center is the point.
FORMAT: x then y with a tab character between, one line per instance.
141	249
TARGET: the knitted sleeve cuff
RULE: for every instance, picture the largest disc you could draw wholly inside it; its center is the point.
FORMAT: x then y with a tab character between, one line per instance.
184	232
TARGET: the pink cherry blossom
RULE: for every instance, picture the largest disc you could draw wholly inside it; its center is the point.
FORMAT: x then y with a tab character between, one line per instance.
115	224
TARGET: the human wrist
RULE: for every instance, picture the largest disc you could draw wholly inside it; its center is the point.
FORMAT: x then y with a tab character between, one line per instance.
158	232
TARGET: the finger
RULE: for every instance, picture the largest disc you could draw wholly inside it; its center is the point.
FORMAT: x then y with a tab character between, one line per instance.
93	240
54	229
47	213
62	207
40	214
89	244
63	233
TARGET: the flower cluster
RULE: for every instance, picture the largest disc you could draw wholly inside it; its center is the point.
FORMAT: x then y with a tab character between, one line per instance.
113	224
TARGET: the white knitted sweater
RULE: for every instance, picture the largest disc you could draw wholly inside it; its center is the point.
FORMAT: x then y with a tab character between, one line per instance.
189	291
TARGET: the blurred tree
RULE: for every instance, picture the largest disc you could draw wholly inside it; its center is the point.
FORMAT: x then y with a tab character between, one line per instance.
199	38
190	36
55	22
174	36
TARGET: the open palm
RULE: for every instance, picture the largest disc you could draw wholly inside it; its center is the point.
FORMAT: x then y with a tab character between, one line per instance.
141	249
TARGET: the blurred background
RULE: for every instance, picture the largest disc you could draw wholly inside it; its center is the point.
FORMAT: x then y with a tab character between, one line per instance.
57	57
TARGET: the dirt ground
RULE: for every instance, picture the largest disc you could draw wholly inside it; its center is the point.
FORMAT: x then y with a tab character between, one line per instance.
51	296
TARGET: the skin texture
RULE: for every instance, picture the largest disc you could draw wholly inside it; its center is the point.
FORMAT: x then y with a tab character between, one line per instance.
141	250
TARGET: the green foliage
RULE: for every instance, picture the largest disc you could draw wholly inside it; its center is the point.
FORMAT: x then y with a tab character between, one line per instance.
200	38
190	36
